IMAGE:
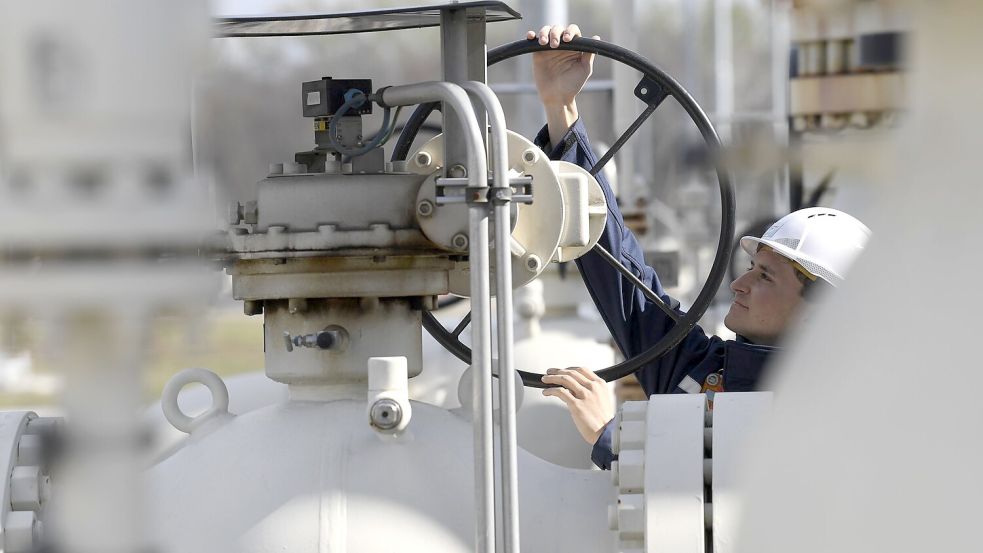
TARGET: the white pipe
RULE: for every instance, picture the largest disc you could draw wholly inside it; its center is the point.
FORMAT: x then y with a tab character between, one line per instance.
481	365
503	291
456	99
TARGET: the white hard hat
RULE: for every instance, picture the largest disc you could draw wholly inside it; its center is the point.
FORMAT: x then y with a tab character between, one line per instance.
823	241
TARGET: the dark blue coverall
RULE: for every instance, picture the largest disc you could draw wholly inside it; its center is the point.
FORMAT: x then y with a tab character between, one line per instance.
635	322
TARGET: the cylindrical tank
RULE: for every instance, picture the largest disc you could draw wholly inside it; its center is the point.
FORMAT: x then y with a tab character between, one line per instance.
311	476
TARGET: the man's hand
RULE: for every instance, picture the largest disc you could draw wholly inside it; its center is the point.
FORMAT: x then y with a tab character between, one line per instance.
559	77
588	397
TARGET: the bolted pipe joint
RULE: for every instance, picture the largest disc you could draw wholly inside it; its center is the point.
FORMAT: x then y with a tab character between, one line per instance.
389	409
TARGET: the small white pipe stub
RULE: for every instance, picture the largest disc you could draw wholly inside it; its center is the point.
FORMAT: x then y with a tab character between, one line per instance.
388	406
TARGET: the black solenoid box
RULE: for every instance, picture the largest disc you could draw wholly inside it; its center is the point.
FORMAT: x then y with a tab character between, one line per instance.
325	97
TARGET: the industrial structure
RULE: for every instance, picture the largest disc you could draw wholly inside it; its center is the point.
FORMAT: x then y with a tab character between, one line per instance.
344	254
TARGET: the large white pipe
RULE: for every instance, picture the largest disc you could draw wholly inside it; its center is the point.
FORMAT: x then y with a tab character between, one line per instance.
503	292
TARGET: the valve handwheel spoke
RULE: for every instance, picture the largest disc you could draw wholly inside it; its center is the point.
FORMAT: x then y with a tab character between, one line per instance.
653	89
621	141
461	326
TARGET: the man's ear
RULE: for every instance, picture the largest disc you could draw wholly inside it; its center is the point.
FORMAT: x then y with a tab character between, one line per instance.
815	290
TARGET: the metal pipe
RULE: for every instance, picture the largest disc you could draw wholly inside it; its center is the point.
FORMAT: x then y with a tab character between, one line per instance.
455	98
481	367
503	291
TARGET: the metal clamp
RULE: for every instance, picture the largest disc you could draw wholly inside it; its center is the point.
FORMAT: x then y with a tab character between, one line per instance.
520	190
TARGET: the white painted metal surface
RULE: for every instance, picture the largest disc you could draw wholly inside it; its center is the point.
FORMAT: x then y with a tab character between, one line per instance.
25	486
674	497
309	476
736	417
879	457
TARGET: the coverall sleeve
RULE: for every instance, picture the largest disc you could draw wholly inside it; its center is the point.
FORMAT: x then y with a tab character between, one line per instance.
635	322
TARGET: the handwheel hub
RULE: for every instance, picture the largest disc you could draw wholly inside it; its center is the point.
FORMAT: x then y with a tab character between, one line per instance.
564	220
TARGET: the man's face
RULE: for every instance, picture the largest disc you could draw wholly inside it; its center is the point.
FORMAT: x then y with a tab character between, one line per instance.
766	298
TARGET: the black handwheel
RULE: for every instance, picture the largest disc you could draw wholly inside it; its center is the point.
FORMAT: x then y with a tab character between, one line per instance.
654	87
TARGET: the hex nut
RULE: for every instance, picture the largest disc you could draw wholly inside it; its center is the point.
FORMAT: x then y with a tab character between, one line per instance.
252	307
21	530
530	156
25	488
29	450
294	168
424	208
460	241
296	305
235	213
250	213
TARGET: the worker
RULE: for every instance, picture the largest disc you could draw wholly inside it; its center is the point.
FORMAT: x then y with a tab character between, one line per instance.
804	251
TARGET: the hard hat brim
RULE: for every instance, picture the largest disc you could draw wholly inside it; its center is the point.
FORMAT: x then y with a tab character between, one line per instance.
750	244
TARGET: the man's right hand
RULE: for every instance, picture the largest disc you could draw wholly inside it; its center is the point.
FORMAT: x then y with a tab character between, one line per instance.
559	77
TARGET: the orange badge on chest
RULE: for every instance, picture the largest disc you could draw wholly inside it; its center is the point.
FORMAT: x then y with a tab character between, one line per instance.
713	383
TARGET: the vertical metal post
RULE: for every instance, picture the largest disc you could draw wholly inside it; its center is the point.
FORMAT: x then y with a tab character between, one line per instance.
781	48
481	369
723	47
501	194
506	365
464	59
692	38
530	115
623	31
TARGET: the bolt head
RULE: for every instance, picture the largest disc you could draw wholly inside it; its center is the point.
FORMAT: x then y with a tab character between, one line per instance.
533	263
250	213
424	208
423	159
460	241
530	156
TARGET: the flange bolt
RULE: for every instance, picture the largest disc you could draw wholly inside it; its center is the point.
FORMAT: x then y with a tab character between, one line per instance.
460	241
530	157
424	208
